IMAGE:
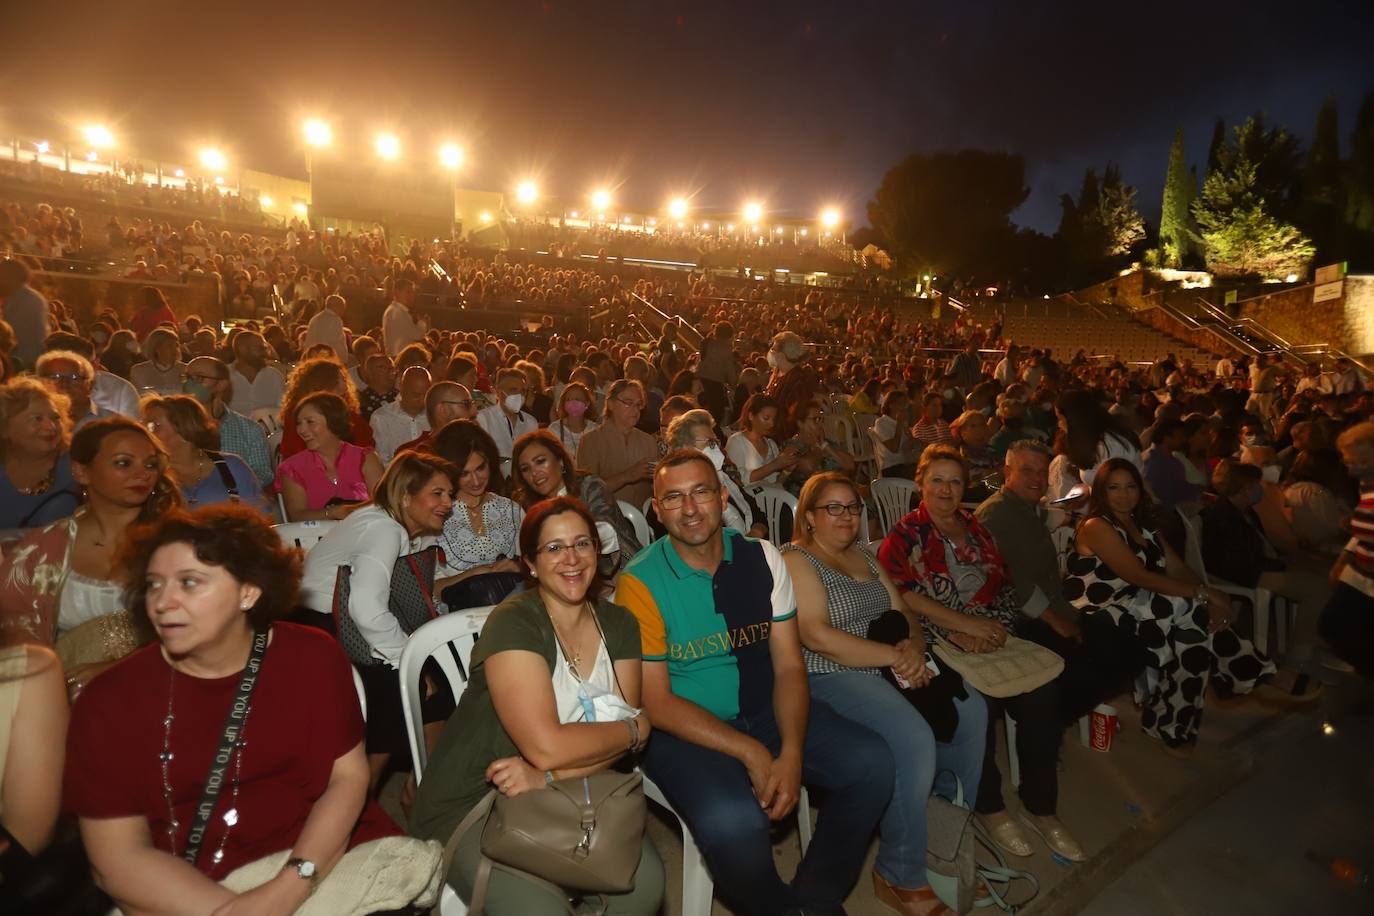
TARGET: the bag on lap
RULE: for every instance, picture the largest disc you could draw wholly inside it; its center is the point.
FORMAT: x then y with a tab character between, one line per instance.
411	602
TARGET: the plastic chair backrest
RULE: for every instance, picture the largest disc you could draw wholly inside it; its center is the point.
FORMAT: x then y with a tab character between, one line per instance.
362	695
1192	544
303	534
774	500
893	496
459	628
643	533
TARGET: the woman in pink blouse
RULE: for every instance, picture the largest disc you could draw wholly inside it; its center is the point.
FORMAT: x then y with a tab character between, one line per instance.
332	472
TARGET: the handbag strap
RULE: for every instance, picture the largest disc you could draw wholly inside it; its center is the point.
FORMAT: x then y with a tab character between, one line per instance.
424	592
226	476
233	727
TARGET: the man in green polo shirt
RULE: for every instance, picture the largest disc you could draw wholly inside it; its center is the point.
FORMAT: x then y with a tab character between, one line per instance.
736	732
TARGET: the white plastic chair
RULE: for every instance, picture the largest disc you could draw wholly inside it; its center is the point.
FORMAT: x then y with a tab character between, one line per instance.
303	534
773	500
1260	599
893	496
643	533
460	629
362	696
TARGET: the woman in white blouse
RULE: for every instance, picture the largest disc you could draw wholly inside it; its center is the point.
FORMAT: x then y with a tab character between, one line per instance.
752	449
410	503
480	540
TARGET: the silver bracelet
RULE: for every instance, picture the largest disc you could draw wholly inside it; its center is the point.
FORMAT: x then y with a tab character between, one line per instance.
634	733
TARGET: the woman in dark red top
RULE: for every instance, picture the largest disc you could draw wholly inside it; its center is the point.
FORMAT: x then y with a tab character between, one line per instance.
145	734
320	374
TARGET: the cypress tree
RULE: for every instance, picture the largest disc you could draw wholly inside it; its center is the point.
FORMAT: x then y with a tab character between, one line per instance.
1217	145
1176	219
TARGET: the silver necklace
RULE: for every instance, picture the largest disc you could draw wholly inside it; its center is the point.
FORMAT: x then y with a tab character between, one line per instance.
230	816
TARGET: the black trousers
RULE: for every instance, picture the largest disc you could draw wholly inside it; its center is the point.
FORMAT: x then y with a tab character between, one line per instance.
1104	663
1039	729
1347	625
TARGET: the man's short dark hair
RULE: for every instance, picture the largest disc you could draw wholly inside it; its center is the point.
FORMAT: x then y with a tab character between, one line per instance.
61	340
1166	428
681	456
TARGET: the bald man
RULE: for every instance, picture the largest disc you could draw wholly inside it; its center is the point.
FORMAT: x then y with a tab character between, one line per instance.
446	401
403	419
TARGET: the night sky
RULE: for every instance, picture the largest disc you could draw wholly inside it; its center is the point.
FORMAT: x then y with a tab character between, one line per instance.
797	104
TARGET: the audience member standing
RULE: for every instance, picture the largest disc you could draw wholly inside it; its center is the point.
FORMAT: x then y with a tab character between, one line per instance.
400	328
26	311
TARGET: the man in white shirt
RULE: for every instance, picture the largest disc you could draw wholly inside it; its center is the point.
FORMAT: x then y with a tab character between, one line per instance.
1346	378
1008	366
109	393
71	374
402	420
1225	368
327	327
399	327
505	421
256	384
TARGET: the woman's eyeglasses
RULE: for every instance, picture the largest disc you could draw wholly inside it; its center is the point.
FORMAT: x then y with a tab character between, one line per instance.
838	509
555	549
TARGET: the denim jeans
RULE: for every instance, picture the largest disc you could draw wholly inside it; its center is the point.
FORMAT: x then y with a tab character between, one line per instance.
922	762
711	793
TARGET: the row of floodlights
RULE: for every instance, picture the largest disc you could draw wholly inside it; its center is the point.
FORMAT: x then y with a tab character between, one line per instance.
319	135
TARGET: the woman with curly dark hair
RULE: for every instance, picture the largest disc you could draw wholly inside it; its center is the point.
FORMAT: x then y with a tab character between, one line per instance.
310	376
58	585
177	798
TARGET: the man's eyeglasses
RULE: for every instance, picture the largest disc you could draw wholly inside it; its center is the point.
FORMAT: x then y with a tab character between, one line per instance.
555	549
463	404
701	496
206	379
633	405
838	509
64	378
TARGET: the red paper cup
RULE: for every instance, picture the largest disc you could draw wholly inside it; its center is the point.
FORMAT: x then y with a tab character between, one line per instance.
1104	726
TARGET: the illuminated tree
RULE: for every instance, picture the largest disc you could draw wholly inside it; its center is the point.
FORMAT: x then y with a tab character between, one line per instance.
1177	244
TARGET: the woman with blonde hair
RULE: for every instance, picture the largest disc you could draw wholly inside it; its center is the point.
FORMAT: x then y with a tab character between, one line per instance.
310	376
411	502
162	371
36	484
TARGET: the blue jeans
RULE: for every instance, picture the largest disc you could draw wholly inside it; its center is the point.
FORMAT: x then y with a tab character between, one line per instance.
712	794
922	763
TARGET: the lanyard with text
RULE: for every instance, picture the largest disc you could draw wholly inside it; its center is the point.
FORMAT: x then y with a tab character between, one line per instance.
233	727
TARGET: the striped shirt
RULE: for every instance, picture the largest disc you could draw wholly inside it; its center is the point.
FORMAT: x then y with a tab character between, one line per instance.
932	432
1361	544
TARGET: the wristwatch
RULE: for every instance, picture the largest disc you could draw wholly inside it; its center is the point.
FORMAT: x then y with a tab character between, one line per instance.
305	869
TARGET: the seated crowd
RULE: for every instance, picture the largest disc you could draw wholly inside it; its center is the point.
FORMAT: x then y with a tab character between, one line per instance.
613	501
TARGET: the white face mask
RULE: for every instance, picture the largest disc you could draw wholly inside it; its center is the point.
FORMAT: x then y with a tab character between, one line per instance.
772	359
514	402
717	457
1270	473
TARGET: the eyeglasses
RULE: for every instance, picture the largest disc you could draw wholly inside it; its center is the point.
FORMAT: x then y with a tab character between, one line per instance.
207	379
64	378
555	549
633	405
704	444
838	509
701	496
463	404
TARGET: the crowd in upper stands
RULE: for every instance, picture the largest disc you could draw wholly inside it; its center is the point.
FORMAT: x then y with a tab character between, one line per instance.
614	493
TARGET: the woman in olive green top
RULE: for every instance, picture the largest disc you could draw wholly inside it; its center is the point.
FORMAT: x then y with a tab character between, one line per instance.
521	720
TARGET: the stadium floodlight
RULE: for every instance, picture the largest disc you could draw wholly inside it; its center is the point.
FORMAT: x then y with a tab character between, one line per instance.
730	227
451	156
803	232
265	200
213	159
830	217
298	207
677	209
180	173
705	227
601	199
527	192
484	217
388	145
318	133
92	156
98	136
627	220
41	146
753	212
778	230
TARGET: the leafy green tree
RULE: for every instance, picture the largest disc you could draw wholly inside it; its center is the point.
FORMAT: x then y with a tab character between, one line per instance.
1239	235
1214	148
948	212
1177	230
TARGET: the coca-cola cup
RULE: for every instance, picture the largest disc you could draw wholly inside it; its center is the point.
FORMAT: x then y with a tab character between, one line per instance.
1104	726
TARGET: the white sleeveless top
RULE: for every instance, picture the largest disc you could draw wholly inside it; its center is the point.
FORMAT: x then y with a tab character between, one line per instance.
565	685
84	598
